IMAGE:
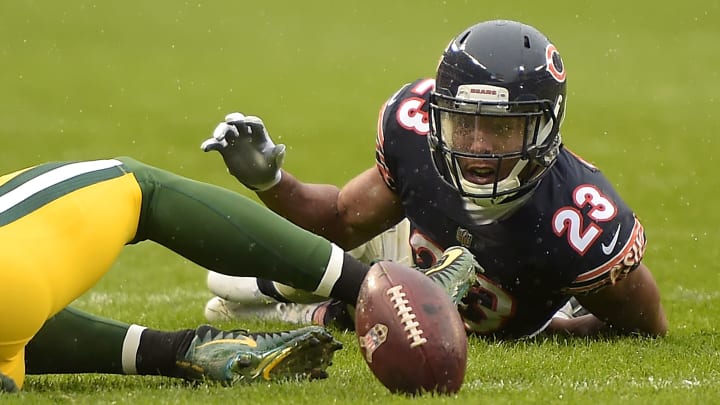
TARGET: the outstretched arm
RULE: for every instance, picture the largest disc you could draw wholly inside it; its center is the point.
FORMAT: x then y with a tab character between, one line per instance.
349	216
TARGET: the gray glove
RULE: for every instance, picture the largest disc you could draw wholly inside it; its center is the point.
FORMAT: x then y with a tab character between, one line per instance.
249	153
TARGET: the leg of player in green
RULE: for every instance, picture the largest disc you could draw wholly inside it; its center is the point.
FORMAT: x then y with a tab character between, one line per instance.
83	213
220	230
228	233
50	352
74	341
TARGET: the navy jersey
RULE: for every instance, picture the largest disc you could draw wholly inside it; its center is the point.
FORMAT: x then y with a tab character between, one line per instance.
572	235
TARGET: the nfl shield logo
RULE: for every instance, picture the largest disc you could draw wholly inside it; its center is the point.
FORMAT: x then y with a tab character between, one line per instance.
464	237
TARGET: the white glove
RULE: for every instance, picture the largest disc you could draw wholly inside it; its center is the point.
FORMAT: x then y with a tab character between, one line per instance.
249	153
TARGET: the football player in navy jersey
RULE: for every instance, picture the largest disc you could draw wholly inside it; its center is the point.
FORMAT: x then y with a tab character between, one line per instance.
474	157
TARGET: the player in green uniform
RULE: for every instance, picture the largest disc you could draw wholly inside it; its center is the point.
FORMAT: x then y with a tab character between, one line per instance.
63	224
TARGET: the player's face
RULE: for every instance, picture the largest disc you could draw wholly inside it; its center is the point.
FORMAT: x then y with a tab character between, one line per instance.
495	142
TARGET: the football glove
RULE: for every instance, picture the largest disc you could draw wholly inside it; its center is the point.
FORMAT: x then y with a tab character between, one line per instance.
249	153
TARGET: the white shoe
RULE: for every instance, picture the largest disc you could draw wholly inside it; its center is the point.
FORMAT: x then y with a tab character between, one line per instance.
237	289
565	312
246	290
571	309
220	310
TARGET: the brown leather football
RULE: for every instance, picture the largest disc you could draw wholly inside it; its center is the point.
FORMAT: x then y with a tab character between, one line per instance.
410	333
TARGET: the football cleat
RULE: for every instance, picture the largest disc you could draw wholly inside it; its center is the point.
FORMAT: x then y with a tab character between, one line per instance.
565	312
454	272
221	310
334	314
239	356
577	310
571	309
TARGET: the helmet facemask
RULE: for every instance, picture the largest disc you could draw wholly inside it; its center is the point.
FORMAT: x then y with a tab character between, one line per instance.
495	112
491	149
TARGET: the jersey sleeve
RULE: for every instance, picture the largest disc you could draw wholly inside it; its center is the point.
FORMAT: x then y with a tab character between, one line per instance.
380	161
620	243
404	113
615	269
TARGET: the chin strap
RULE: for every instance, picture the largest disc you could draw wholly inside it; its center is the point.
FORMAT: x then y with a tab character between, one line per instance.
512	181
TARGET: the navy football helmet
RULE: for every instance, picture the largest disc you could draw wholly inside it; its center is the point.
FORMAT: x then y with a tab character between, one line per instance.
496	110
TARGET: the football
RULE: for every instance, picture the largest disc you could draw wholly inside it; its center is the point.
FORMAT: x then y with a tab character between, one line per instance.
410	333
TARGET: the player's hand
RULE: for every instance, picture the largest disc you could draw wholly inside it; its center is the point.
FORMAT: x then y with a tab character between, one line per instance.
249	153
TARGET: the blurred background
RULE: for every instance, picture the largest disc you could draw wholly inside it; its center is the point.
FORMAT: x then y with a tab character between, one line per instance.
83	79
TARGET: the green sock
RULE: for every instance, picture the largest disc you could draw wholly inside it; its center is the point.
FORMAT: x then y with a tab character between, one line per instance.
74	341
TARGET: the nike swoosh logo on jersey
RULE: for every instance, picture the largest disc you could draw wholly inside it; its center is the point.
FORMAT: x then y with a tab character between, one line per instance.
448	258
607	249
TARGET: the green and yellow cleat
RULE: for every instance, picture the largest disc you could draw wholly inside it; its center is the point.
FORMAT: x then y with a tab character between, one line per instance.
238	356
455	272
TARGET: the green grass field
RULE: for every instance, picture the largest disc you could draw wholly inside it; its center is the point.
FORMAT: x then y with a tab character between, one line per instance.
83	79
